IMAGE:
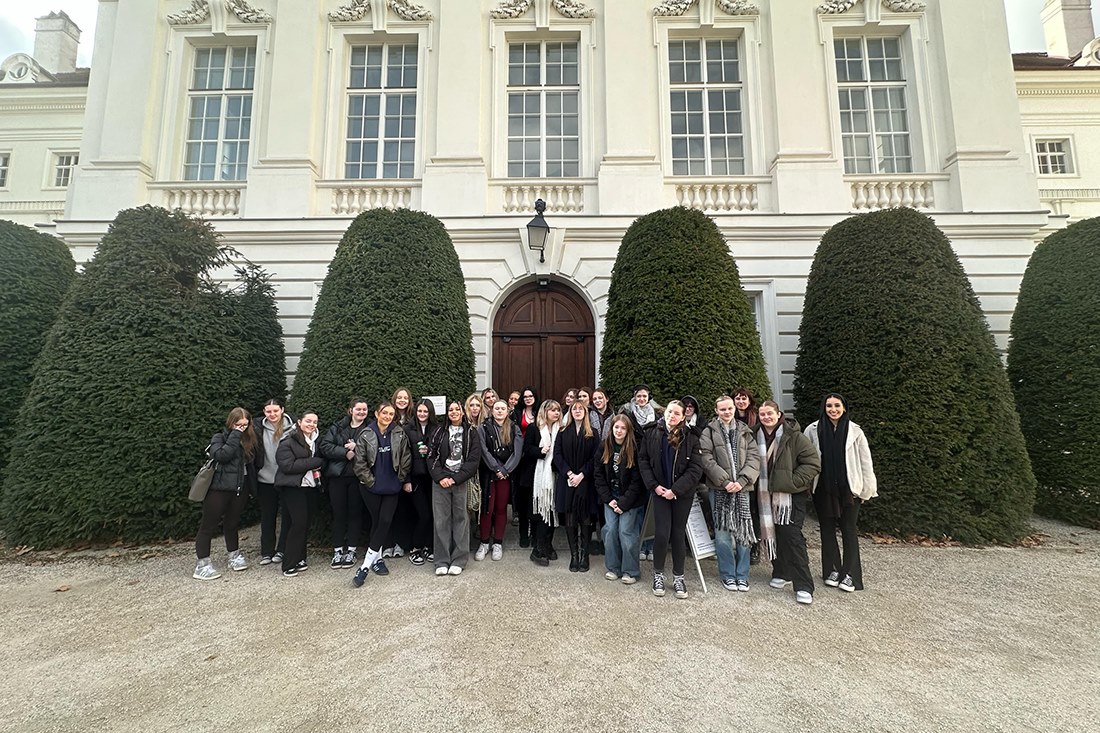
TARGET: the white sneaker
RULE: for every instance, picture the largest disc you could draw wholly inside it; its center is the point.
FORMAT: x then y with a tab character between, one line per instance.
388	552
804	597
205	570
778	583
610	575
455	570
441	570
398	551
498	551
482	551
237	561
649	556
628	580
641	556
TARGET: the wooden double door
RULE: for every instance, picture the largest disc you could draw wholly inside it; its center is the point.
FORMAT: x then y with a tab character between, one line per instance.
544	335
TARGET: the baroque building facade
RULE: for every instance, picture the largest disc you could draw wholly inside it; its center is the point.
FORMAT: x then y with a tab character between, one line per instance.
280	120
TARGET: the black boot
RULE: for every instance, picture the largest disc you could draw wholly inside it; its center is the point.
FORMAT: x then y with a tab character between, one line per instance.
548	549
574	549
538	554
586	535
524	537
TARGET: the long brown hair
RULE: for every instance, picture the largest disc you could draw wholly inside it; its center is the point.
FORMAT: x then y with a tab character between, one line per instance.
675	434
585	425
409	413
750	413
282	420
506	426
248	435
627	452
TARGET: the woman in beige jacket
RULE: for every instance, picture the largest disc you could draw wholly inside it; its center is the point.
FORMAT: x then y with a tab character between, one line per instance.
847	480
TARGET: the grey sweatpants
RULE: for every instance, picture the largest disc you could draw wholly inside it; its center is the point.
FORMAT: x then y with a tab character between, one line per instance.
452	525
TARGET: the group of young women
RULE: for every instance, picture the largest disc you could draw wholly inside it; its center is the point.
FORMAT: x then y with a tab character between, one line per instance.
578	464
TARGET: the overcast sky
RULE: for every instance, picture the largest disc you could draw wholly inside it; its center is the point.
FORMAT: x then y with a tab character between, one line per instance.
17	24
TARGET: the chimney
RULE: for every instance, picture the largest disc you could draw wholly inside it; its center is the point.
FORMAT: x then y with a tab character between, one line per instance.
56	38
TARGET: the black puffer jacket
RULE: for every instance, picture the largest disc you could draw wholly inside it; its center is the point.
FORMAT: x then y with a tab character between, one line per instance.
687	464
332	448
230	471
295	458
416	437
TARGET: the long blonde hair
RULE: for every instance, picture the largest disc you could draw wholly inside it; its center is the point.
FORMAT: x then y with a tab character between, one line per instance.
475	397
585	423
545	408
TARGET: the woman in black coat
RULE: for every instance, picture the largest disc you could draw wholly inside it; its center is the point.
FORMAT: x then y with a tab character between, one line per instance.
233	451
420	431
671	465
622	494
299	473
574	495
338	448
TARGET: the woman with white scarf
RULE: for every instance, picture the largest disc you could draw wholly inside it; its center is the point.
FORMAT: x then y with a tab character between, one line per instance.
299	473
788	466
543	515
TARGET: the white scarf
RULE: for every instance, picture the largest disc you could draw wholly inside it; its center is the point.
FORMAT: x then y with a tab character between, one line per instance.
543	491
644	415
308	479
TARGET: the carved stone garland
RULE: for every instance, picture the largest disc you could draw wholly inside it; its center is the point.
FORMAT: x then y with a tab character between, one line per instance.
356	9
835	7
729	7
199	12
516	8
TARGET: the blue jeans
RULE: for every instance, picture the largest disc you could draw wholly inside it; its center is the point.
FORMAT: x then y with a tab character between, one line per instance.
621	539
733	563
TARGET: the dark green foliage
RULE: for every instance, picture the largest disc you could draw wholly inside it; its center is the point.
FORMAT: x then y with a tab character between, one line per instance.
141	368
392	313
35	272
264	356
677	318
891	322
1054	367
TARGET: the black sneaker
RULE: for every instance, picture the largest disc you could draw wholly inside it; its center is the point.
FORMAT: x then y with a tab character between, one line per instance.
360	577
833	580
348	561
416	557
847	585
337	560
290	572
679	587
301	567
379	567
658	584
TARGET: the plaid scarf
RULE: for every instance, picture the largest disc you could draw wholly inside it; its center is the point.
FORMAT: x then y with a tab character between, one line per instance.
732	511
778	504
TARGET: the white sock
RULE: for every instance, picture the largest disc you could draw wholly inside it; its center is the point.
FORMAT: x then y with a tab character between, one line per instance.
337	550
371	558
351	550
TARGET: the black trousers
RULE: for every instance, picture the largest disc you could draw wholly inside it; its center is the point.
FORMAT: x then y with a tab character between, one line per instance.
347	510
404	522
670	520
268	497
295	504
791	561
422	537
521	501
381	508
224	508
831	559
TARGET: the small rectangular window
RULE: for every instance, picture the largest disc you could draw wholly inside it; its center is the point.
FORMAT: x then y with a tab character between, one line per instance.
5	163
1053	157
64	165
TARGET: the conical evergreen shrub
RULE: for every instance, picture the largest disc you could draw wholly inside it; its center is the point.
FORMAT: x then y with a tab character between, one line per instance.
36	271
140	369
392	312
677	318
264	356
1054	368
891	322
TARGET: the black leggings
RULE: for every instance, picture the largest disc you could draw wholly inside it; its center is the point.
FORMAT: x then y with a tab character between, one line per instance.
381	508
268	497
670	525
521	500
347	511
422	504
224	508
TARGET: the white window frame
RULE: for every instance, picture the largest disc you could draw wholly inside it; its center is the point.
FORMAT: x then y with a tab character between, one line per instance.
342	38
173	109
54	167
762	292
757	109
385	94
1068	143
922	85
5	170
224	93
705	87
544	90
526	30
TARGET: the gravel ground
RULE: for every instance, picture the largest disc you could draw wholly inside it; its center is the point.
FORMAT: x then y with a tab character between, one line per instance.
954	639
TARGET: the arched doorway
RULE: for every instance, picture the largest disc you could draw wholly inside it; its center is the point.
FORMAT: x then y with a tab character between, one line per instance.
544	335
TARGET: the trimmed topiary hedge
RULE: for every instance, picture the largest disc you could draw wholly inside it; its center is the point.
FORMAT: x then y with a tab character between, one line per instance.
392	312
891	322
677	318
140	369
264	356
1054	368
36	271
